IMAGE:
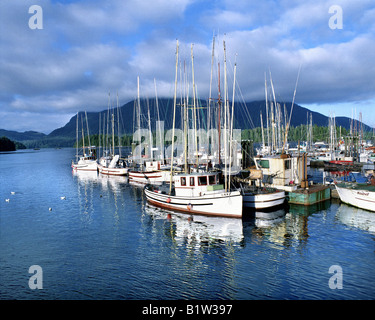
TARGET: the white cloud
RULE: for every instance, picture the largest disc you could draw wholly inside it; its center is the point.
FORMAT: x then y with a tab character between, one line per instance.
89	48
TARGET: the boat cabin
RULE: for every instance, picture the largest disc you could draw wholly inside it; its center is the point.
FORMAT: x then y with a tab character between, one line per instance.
195	184
280	171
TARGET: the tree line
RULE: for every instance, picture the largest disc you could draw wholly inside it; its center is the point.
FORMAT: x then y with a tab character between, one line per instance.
300	133
295	134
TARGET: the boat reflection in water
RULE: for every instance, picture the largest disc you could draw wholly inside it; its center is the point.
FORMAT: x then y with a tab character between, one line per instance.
197	229
356	217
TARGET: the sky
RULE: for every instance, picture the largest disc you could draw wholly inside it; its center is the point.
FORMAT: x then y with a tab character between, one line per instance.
70	55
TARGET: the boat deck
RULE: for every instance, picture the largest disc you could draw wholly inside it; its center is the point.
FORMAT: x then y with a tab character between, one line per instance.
357	186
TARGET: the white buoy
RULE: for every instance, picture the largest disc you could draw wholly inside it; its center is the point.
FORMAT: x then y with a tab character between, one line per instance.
7	200
63	198
12	192
50	209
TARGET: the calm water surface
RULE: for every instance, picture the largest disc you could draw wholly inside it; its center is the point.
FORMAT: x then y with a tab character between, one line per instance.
104	242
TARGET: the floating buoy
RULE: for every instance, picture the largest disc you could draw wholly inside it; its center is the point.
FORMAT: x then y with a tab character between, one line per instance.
50	209
63	198
12	192
7	200
168	200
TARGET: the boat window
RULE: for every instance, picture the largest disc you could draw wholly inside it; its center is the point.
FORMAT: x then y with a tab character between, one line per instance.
287	164
183	181
264	163
191	181
211	180
202	181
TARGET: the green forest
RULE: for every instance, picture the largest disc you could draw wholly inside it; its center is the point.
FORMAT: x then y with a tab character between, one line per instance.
299	133
9	145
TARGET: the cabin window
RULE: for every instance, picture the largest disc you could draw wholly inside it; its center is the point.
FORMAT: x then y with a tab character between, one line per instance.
191	181
263	163
202	181
183	181
211	180
287	164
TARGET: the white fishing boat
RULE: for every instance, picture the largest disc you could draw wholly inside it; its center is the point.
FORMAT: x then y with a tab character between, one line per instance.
360	195
196	193
152	174
112	163
259	197
263	198
112	166
86	161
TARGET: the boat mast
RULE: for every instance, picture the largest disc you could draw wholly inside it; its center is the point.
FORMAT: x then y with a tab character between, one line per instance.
88	133
194	108
266	94
219	115
174	118
225	118
118	127
210	96
185	123
231	125
77	137
83	138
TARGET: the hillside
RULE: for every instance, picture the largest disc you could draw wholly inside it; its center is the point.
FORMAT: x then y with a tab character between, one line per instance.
247	116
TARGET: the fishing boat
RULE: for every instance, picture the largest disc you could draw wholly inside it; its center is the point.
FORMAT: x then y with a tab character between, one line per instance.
256	196
152	174
196	193
112	165
86	161
360	195
263	198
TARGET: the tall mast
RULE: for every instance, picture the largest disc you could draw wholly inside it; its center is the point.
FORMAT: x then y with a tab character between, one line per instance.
118	126
185	125
231	125
77	137
174	118
210	96
225	117
219	115
266	94
157	110
194	108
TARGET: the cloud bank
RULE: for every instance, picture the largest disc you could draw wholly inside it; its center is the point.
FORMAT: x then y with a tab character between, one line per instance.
89	48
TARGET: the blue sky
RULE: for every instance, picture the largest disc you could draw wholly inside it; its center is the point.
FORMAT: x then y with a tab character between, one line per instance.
89	48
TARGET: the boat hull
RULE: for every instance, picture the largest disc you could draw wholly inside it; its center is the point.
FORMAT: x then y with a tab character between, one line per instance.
224	204
113	171
263	200
356	196
152	177
91	166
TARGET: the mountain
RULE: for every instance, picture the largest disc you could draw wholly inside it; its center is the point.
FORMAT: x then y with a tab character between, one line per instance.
22	136
247	116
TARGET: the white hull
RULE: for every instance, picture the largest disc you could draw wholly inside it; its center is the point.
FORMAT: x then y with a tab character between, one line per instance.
263	200
113	171
225	204
153	177
87	166
357	197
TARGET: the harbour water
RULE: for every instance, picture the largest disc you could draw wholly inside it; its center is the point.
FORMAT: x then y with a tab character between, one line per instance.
94	237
